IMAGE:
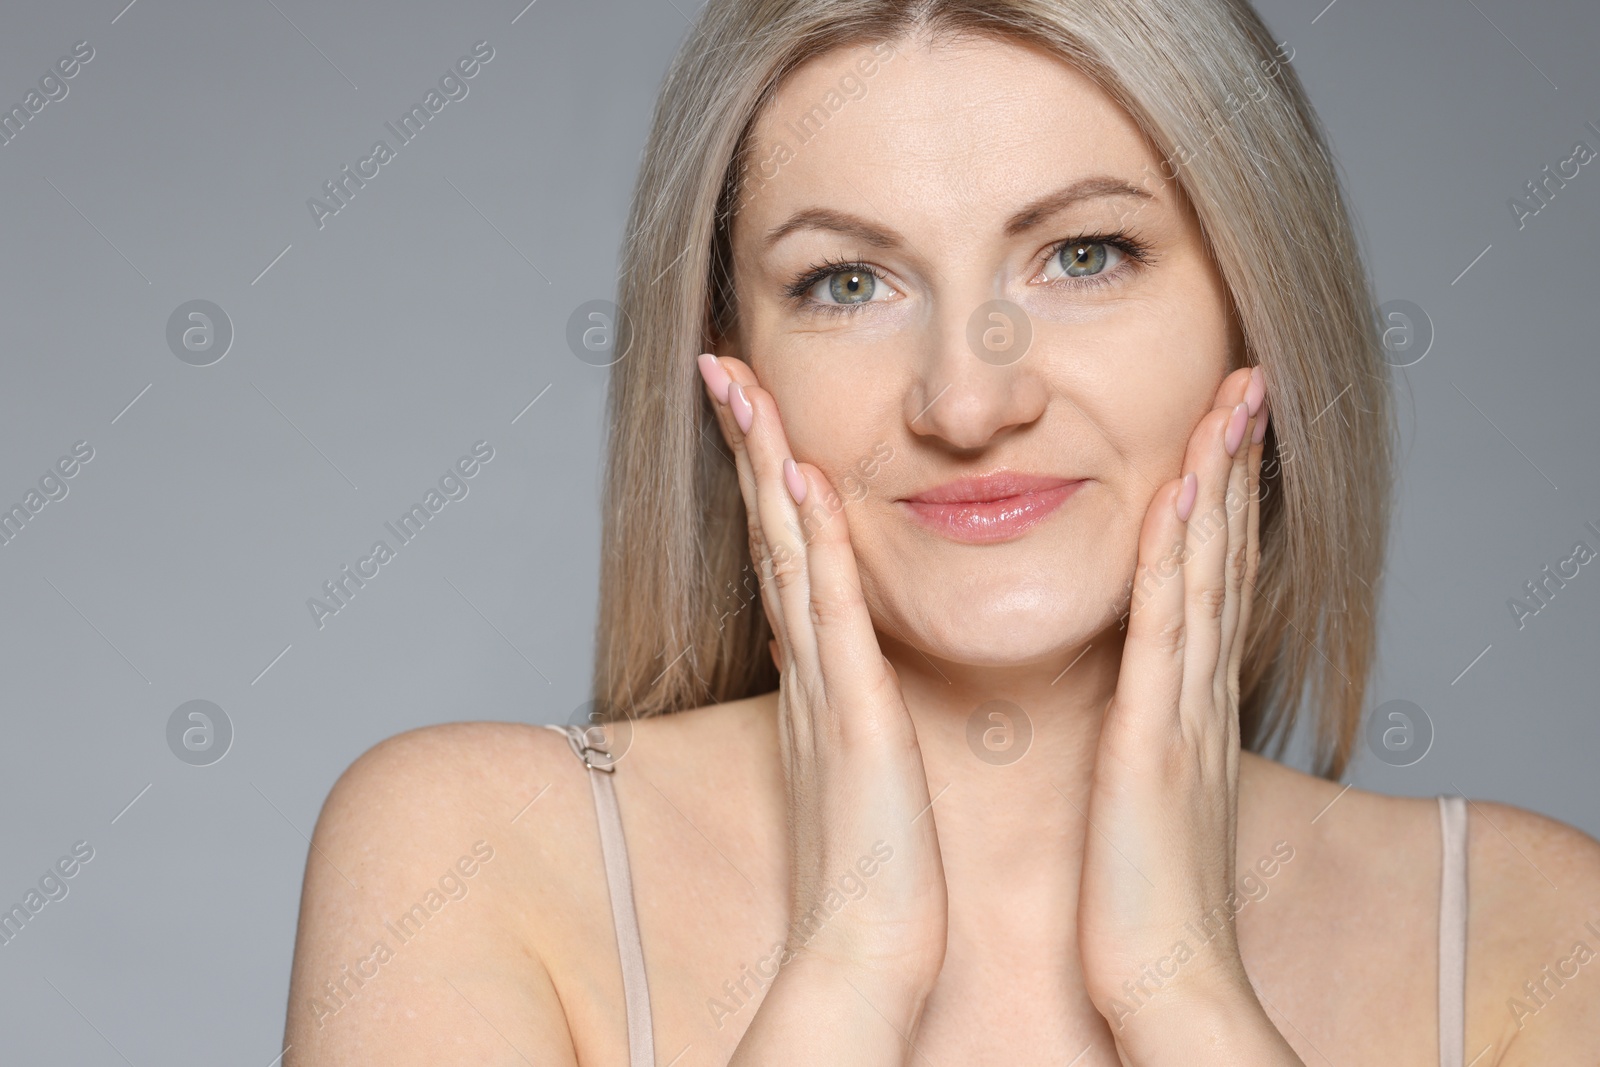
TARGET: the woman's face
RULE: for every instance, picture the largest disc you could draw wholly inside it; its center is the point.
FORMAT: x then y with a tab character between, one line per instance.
941	172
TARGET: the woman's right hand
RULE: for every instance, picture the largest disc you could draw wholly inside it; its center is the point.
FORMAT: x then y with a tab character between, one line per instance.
867	888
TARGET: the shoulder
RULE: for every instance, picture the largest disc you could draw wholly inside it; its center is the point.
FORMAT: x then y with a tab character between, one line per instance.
455	877
432	863
1533	903
513	789
1351	829
1366	867
1533	958
410	796
438	774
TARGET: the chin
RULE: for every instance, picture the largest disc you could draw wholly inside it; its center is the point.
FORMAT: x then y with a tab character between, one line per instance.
1003	623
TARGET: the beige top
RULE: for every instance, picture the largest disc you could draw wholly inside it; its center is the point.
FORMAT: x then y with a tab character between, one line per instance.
636	991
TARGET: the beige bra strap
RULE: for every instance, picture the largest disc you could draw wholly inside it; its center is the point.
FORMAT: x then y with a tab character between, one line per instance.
619	881
1453	932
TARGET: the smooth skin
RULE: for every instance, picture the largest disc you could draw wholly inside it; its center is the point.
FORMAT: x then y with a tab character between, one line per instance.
1019	901
1162	798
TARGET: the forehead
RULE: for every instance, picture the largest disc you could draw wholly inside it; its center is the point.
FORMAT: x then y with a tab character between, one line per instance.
969	126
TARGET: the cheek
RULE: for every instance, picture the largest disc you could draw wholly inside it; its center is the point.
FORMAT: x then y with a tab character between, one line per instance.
1146	379
841	424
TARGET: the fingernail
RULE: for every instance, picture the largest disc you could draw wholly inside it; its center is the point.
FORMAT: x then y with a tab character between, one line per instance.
793	479
1257	390
743	413
1261	428
716	378
1186	495
1235	435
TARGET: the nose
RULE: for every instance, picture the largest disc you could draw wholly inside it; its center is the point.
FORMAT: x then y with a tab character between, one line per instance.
977	379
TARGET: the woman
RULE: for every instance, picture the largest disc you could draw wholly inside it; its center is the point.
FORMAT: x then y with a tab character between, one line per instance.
1021	329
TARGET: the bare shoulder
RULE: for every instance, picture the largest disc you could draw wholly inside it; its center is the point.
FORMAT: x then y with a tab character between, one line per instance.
1533	958
1356	836
1366	867
432	862
435	777
1533	893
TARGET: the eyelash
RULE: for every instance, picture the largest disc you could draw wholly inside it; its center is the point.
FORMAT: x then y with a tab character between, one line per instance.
1124	240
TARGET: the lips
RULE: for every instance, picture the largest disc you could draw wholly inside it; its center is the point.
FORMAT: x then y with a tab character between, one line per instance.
992	508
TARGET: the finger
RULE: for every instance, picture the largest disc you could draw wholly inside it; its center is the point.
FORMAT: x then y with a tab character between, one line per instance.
767	447
1237	504
1252	566
1235	507
1247	589
1151	673
853	670
718	374
1206	545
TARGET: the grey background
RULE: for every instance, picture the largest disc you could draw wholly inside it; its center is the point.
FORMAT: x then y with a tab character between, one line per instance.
433	309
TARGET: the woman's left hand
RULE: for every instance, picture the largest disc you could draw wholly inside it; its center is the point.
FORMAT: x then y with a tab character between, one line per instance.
1155	908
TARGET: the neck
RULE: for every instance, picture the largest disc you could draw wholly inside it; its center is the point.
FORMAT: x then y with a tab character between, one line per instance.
1009	754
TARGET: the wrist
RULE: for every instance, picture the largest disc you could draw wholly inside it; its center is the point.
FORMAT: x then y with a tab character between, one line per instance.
869	1020
1217	1020
883	994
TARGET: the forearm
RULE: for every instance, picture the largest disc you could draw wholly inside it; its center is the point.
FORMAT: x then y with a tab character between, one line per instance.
817	1013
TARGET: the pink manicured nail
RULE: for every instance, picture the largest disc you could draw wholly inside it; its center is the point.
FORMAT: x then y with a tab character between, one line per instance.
793	479
716	378
1235	435
1261	428
743	413
1186	495
1256	391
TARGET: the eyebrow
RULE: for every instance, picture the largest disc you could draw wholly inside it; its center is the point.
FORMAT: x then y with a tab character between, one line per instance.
1096	187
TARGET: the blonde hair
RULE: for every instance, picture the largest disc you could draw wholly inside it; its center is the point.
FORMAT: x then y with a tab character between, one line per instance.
680	619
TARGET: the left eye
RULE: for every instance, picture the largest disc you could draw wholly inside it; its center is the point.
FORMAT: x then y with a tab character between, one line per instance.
1079	259
851	286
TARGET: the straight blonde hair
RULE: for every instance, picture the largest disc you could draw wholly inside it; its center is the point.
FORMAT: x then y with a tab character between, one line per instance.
680	619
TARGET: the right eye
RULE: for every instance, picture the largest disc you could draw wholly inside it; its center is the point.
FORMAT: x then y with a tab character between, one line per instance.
837	288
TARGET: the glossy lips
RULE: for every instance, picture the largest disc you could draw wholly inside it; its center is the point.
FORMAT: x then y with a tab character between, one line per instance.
997	507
